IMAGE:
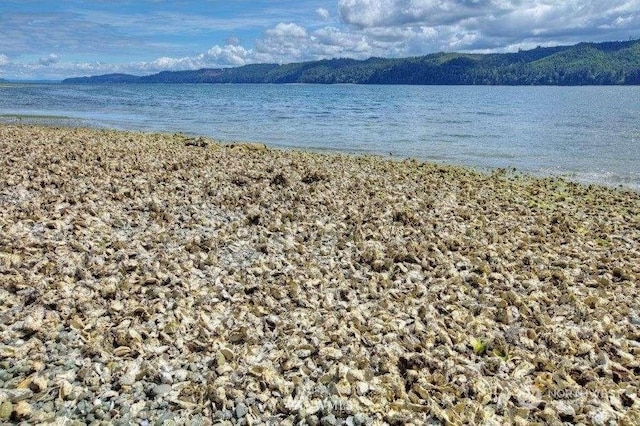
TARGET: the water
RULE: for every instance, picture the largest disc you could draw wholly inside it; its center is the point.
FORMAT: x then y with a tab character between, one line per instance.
588	134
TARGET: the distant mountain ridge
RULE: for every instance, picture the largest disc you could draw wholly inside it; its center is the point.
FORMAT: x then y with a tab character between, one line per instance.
608	63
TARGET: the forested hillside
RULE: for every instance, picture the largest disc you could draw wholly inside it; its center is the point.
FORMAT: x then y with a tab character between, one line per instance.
582	64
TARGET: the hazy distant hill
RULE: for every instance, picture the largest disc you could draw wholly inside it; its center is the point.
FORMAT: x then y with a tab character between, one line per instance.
581	64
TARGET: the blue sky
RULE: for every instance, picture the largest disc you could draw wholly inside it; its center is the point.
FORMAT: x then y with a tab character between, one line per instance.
47	39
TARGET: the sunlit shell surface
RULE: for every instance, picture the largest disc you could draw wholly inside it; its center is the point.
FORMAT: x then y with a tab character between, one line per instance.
161	279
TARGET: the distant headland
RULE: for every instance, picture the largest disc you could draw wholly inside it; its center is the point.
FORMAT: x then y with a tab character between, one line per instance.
608	63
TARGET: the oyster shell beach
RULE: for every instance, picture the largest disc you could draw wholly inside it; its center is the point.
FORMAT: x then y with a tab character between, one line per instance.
161	279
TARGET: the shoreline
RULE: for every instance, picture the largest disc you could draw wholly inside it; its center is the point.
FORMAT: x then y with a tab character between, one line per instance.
70	122
159	277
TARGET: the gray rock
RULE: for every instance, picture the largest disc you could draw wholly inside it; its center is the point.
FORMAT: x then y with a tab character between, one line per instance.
329	420
160	390
223	415
241	410
312	420
180	375
359	419
17	395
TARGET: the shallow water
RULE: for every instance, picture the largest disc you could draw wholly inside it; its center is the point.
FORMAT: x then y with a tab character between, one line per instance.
588	134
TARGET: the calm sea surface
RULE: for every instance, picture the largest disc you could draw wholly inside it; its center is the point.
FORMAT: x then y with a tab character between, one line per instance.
588	134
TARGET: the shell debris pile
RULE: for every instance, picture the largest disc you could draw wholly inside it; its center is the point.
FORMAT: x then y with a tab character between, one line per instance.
157	279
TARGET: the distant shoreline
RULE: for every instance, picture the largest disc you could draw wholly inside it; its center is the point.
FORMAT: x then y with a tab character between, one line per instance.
608	63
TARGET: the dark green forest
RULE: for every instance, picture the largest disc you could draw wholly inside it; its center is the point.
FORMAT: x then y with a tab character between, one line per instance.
609	63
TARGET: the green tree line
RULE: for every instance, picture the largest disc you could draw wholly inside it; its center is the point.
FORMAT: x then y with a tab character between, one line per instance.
609	63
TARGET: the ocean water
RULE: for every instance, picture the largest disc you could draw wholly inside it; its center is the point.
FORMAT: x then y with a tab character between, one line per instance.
587	134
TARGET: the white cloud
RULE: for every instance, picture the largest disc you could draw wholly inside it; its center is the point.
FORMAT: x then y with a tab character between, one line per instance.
50	59
383	13
388	28
167	63
492	24
286	31
323	13
234	55
332	42
233	41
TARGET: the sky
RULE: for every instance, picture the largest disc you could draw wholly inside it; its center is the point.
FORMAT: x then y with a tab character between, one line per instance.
55	39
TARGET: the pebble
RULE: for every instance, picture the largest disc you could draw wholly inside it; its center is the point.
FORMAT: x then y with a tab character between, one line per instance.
241	410
359	419
38	384
161	390
329	420
23	410
6	408
17	395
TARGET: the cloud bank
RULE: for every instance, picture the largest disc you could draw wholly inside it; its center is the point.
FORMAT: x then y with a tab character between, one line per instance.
50	59
351	28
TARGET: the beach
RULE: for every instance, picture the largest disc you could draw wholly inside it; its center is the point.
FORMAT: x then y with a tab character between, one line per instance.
166	279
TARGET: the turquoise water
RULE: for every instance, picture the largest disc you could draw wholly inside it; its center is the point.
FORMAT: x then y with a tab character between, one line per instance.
588	134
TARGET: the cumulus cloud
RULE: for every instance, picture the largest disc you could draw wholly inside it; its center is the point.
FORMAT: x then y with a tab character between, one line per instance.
285	42
389	28
230	54
50	59
396	28
322	13
381	13
494	24
233	41
286	31
333	42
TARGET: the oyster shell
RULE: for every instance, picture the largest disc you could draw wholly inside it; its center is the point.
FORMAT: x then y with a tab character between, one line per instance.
143	274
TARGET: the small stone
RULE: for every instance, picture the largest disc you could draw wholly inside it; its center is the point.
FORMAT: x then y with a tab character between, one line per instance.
137	408
180	375
165	377
312	420
362	388
65	389
359	419
160	390
223	415
329	420
82	407
6	408
38	384
17	395
48	407
241	410
23	410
